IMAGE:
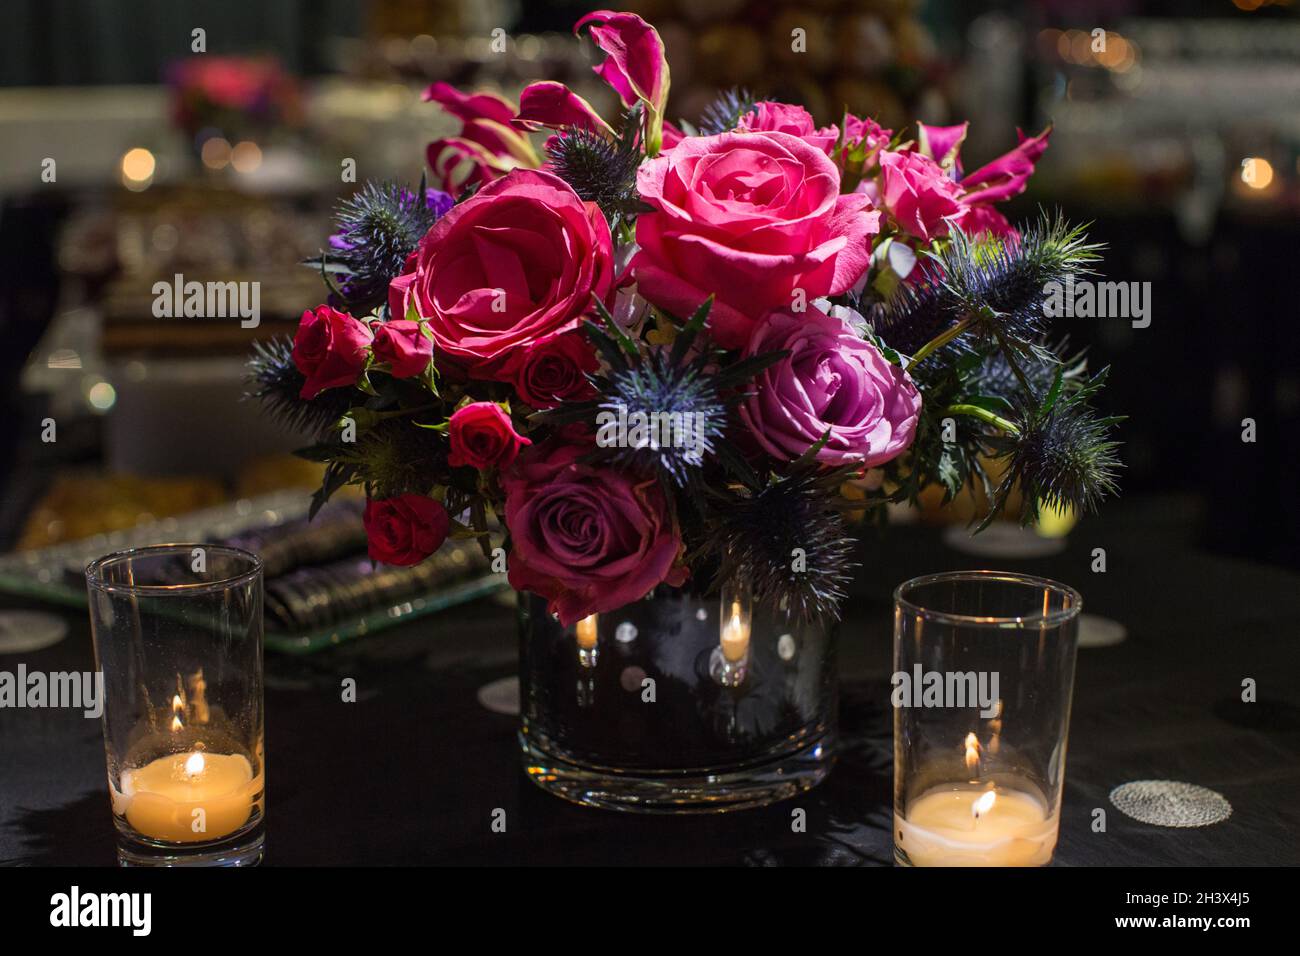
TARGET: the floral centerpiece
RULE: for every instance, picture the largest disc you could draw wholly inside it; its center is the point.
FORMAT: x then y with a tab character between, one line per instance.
646	357
232	96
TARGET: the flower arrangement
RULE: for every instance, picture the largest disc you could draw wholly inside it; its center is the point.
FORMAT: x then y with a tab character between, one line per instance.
231	94
651	353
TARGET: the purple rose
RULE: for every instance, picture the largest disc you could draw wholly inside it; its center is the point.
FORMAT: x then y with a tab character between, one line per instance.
832	379
589	539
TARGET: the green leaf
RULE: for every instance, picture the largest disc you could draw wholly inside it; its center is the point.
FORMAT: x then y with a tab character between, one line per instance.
682	343
614	329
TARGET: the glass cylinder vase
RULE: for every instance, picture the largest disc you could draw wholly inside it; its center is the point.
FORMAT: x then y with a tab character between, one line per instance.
983	677
178	638
676	704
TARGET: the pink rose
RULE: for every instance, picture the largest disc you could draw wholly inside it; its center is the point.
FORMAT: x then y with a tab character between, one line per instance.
404	530
402	345
866	132
482	436
329	348
588	539
552	371
770	117
919	197
750	217
518	261
831	380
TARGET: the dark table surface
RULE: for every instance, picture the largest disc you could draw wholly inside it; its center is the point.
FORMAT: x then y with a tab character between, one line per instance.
412	772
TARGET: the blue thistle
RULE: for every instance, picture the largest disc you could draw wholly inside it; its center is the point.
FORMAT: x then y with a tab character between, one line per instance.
378	227
725	113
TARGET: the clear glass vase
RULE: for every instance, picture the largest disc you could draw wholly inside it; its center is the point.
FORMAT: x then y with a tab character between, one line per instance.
659	708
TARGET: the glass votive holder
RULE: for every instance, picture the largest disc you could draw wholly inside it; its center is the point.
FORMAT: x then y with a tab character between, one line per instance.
178	637
983	676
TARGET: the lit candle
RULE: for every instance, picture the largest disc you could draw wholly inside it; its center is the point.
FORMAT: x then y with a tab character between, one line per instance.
161	798
970	825
735	634
586	631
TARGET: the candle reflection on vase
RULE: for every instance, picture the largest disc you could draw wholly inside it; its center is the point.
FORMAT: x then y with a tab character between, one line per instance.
729	662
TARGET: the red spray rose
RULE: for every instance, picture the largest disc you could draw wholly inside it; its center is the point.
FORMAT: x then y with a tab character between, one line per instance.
589	539
516	262
552	370
404	530
482	436
402	345
329	349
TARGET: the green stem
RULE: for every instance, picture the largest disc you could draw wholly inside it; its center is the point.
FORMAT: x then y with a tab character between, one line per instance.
1015	368
942	339
986	416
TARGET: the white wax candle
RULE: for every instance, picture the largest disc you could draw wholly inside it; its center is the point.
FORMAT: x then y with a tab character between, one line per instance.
160	799
963	825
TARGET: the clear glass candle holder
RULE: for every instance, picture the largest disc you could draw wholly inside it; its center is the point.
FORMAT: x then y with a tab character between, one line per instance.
983	676
178	637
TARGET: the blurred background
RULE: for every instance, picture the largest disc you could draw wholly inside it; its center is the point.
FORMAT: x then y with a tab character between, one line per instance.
129	159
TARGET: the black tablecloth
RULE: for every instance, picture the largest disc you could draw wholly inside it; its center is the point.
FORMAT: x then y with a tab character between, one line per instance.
412	772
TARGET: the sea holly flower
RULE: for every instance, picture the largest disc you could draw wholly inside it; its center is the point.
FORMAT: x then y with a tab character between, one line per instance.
635	65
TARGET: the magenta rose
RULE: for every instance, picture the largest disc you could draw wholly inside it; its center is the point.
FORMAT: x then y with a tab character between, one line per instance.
518	261
771	117
329	348
482	436
755	218
404	530
831	380
553	371
404	348
589	539
918	195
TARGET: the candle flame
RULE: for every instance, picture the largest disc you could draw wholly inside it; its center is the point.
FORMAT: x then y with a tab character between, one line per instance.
972	752
984	804
585	630
735	633
194	764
